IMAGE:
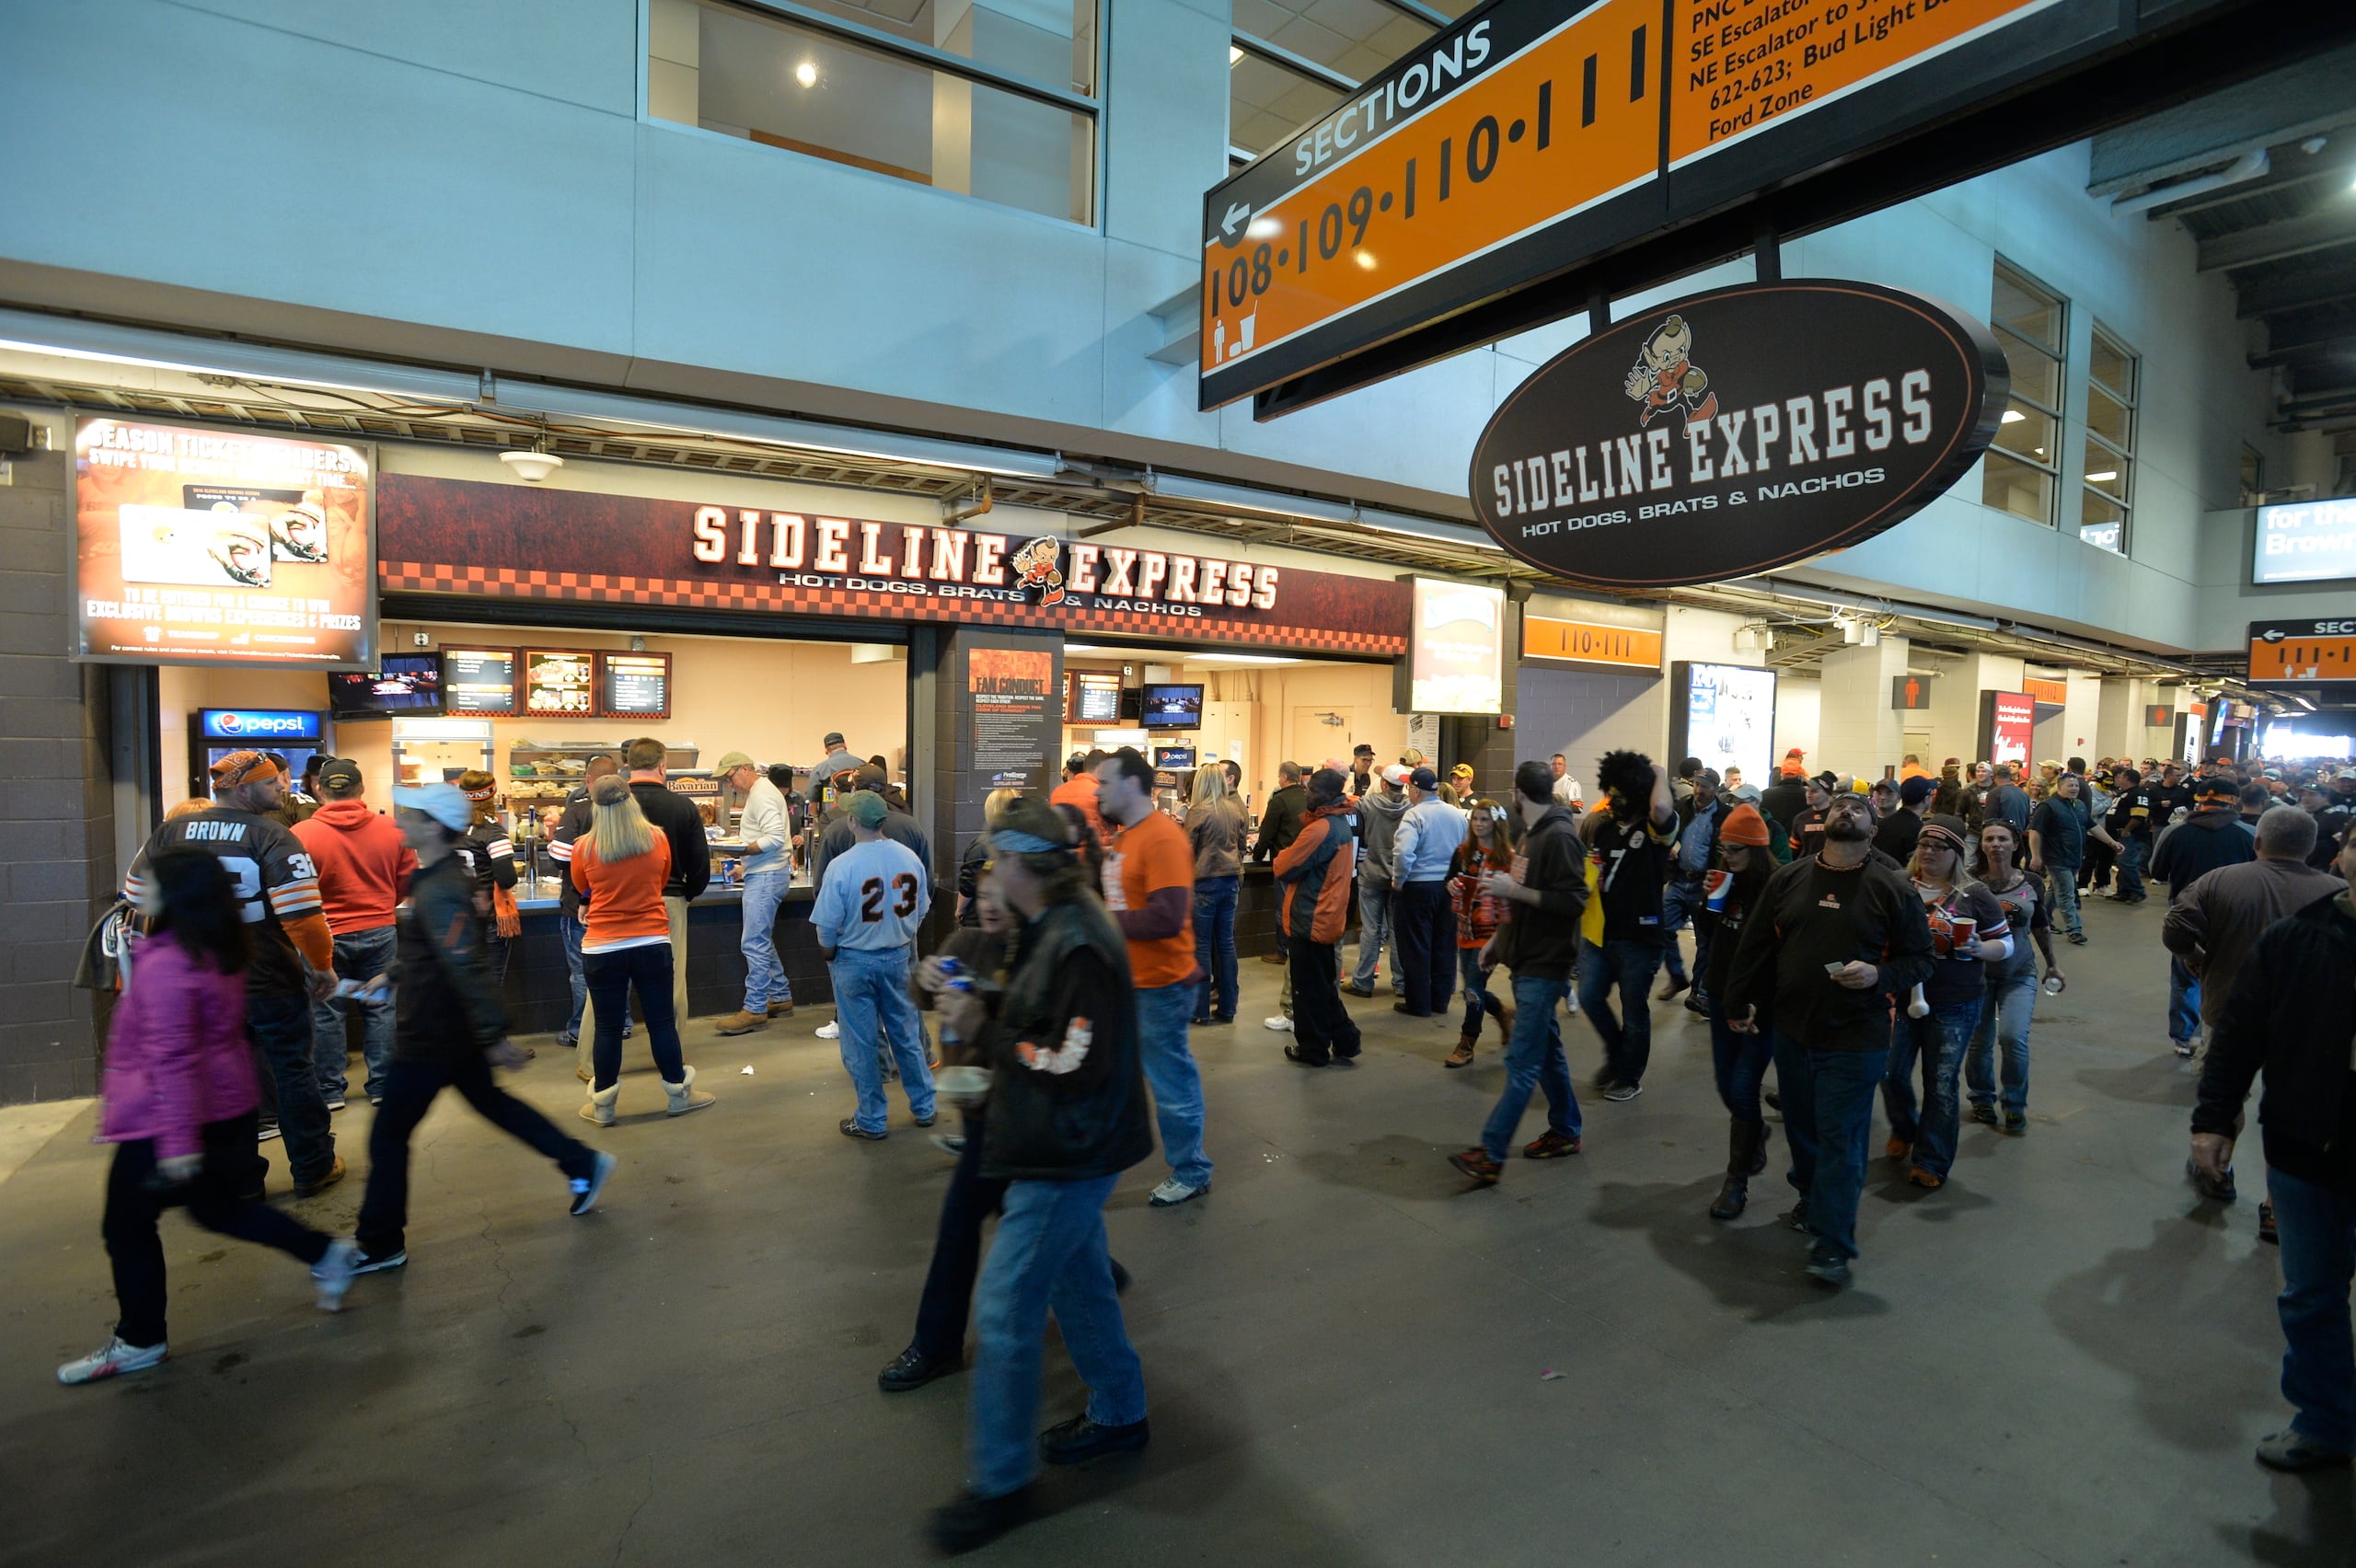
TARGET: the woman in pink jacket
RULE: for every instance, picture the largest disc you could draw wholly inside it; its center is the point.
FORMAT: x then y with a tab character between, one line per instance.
181	1101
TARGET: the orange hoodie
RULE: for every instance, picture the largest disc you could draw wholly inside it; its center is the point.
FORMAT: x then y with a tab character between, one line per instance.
363	864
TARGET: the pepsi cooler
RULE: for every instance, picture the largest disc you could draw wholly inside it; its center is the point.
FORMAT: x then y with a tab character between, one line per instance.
296	734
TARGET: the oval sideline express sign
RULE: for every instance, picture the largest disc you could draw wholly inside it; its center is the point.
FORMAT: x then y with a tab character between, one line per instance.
1737	431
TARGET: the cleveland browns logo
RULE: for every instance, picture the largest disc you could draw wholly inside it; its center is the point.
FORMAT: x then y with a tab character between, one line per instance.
1036	566
1665	377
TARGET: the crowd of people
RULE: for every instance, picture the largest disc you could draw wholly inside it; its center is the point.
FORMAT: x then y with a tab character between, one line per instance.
1854	939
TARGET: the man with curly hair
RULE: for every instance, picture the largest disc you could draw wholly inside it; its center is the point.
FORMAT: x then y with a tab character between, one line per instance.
1628	838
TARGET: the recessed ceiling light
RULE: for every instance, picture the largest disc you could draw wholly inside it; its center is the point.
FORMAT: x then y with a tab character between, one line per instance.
806	74
2105	474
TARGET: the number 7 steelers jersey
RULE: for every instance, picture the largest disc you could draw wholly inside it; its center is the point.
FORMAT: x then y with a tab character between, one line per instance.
273	879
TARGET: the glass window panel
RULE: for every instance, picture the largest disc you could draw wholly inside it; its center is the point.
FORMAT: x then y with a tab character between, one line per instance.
2102	522
2109	472
1266	103
2111	366
2030	436
2253	471
793	87
1050	41
2017	488
2109	418
2036	376
2033	312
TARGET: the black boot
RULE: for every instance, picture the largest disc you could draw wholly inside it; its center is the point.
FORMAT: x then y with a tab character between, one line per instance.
1742	1148
1766	1136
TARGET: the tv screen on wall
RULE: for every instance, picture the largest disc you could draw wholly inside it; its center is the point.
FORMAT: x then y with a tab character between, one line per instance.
1173	707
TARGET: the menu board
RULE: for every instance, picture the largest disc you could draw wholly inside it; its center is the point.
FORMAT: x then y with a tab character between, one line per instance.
559	684
1092	696
478	680
636	685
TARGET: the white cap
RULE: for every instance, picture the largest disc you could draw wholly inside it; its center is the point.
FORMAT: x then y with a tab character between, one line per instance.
1395	776
445	803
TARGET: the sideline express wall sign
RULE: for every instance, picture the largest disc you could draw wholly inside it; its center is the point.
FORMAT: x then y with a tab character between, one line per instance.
1737	431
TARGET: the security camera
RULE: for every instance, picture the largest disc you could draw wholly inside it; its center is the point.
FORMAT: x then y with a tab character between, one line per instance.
531	467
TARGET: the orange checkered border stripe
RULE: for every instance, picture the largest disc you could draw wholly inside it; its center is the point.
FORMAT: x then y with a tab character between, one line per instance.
772	598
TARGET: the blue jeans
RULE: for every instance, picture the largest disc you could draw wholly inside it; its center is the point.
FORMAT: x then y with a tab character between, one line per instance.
765	979
612	976
1478	1001
1680	899
1048	1256
359	955
2062	893
1534	1059
1627	1046
1374	933
2003	1020
1177	1083
1215	946
574	930
2131	855
280	1030
871	995
2319	1230
1828	1117
1741	1062
1940	1039
2184	1002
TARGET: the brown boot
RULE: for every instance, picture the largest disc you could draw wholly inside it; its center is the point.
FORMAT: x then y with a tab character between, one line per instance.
743	1023
1463	1056
1505	1020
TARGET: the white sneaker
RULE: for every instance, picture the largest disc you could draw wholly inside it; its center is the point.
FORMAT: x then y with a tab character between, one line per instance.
112	1360
830	1031
1173	1193
332	1274
1284	1024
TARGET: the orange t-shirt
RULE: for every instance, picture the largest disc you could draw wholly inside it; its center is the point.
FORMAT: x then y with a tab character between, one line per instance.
1139	862
1079	790
623	899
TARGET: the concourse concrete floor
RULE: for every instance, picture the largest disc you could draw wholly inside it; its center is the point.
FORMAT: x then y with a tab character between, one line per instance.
2061	1358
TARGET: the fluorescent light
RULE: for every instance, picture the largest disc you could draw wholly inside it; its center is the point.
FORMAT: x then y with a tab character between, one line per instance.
2014	416
2105	474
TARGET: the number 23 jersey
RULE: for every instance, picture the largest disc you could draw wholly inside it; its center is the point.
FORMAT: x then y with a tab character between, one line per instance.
272	879
874	896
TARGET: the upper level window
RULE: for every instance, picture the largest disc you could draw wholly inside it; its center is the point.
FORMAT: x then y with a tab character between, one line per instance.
1292	62
994	99
2022	471
2106	484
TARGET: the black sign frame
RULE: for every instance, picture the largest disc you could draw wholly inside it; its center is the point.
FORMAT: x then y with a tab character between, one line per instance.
1817	498
515	678
606	706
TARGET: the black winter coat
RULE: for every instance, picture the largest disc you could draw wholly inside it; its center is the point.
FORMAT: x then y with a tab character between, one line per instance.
1068	1098
2291	1015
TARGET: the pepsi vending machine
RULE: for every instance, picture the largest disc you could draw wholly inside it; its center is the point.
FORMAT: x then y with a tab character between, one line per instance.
214	733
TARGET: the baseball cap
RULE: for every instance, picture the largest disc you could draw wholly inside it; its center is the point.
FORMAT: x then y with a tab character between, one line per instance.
1362	749
1329	784
1424	779
1461	770
1745	825
833	738
733	761
866	808
2217	790
1914	792
339	773
239	767
1396	776
445	803
2346	773
1828	780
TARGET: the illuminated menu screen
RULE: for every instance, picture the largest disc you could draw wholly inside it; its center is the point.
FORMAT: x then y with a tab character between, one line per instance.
478	680
559	684
638	685
1094	699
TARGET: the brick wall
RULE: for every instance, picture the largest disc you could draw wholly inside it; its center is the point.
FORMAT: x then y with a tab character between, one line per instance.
56	811
1584	713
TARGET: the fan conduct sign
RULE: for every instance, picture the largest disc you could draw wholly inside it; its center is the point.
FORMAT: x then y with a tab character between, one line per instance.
1737	431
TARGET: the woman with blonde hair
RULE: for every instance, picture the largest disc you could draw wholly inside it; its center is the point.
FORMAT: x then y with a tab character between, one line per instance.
1215	826
620	864
978	855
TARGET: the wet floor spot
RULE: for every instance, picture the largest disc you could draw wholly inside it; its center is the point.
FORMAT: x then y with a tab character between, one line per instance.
229	1363
528	1329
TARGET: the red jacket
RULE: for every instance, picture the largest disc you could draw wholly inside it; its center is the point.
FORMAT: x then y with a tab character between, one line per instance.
176	1055
363	864
1478	914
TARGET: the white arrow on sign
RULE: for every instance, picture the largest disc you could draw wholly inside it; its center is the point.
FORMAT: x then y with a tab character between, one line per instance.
1236	213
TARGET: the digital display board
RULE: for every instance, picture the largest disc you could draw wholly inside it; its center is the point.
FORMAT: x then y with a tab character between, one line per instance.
403	682
1455	660
205	546
1092	696
2307	541
1172	706
635	686
559	684
478	680
1724	714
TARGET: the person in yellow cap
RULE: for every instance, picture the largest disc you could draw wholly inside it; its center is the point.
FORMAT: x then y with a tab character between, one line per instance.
1458	790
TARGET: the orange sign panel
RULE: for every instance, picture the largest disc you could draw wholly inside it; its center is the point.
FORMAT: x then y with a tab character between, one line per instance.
2053	693
1388	195
2303	659
1745	64
1589	642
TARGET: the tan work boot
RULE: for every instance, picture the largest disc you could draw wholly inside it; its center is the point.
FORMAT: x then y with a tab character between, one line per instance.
743	1023
334	1173
1463	1056
599	1106
686	1095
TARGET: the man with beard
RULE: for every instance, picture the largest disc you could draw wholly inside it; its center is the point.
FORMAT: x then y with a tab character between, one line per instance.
1835	936
1629	839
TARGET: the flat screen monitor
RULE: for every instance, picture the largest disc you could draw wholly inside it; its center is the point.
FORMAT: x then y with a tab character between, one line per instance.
1172	706
1093	698
637	686
402	683
2307	541
1724	714
478	680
